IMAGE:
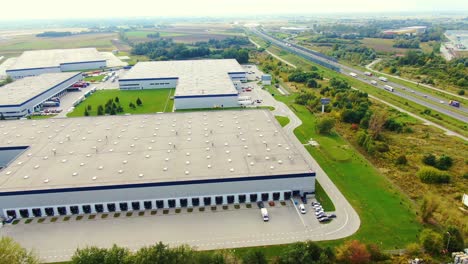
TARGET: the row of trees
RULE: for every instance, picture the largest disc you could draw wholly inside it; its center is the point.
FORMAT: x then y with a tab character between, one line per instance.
407	43
357	54
167	49
112	107
430	64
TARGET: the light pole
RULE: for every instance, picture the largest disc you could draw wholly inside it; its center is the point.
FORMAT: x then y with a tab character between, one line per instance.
448	241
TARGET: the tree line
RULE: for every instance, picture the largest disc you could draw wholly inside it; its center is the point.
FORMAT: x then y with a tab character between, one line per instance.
167	49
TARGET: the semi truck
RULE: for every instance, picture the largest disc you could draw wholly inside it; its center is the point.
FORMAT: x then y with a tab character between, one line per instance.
264	213
389	88
383	79
368	73
454	103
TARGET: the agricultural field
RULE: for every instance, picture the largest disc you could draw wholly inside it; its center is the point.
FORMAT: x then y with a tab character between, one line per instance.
386	45
16	45
153	101
187	33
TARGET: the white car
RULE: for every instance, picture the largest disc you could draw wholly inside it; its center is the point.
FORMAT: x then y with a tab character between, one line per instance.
302	208
319	212
442	102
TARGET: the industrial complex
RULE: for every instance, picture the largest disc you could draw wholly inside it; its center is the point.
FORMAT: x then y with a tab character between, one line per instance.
24	96
124	163
36	62
198	83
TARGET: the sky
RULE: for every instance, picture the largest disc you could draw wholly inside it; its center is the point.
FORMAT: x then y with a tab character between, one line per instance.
52	9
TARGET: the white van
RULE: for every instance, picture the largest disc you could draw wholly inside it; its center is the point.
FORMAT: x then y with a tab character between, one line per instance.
265	214
302	208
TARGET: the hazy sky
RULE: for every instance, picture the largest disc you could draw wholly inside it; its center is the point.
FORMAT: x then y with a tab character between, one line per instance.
23	9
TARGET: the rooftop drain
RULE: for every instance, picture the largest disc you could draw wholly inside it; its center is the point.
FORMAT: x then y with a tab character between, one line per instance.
209	166
8	172
125	162
26	177
187	172
231	169
147	156
94	178
140	175
252	163
75	174
82	164
229	160
165	169
46	180
100	167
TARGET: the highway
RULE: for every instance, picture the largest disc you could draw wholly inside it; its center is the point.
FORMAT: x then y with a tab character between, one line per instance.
429	101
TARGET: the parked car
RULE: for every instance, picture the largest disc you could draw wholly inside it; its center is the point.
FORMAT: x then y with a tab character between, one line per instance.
325	219
260	205
321	216
302	208
331	216
319	212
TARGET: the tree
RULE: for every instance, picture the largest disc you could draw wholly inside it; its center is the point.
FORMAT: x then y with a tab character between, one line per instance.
456	242
117	100
311	83
413	250
89	255
131	105
89	107
428	206
12	253
353	252
100	110
117	254
444	162
254	257
139	102
401	160
86	113
429	159
325	125
461	92
431	241
158	253
433	176
376	123
304	253
376	253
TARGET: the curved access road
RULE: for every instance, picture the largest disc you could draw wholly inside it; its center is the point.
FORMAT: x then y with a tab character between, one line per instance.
347	222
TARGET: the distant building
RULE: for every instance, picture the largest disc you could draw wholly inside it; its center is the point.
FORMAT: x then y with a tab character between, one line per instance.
415	30
36	62
198	83
266	79
23	97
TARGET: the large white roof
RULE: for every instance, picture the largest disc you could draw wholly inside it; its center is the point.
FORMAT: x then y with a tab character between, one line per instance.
21	90
195	77
115	150
55	57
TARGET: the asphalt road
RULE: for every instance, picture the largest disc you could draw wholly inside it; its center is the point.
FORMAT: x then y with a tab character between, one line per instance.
430	102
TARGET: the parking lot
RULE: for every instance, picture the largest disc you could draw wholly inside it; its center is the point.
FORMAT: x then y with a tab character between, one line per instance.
55	239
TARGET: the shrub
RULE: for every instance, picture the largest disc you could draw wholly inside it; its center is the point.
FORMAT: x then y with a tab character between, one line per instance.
461	92
325	125
430	175
444	163
382	147
429	159
431	241
401	160
465	176
139	102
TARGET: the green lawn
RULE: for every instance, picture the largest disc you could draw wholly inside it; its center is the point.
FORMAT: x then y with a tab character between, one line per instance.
282	120
322	198
97	78
157	100
387	216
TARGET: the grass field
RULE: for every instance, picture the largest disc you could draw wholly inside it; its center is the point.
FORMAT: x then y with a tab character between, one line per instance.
144	34
153	101
15	46
97	78
282	120
382	207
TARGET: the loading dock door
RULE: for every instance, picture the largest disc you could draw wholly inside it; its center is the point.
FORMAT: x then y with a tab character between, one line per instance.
123	206
195	201
111	207
136	205
242	198
253	197
24	213
87	209
207	201
62	210
99	208
159	204
74	209
183	202
148	205
37	212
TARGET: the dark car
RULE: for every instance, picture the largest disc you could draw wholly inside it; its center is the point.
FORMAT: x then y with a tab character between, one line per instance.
260	205
325	219
331	216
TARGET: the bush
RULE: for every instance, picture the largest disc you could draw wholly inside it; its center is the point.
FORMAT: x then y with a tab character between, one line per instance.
465	176
461	92
444	163
382	147
325	125
433	176
401	160
431	241
429	159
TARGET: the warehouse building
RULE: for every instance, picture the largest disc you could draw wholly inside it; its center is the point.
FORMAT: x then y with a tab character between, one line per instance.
36	62
23	97
128	163
198	83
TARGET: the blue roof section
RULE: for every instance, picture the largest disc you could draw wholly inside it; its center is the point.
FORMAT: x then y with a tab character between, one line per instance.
79	73
160	184
30	69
